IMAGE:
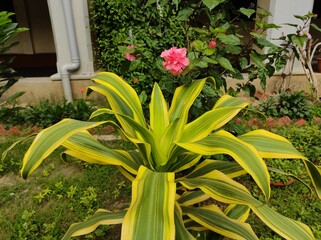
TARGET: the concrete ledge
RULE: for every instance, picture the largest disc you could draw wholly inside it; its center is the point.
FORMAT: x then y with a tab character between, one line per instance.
41	88
38	89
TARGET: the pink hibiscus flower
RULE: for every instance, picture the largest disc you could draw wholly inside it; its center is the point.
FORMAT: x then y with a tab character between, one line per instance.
175	60
130	57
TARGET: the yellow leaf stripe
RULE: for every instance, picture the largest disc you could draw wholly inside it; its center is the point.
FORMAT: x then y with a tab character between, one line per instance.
246	155
224	189
49	139
101	217
151	212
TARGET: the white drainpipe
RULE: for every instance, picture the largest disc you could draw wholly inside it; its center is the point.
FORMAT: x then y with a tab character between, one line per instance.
75	60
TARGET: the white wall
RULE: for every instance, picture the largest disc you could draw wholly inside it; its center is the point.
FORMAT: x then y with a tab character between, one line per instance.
283	11
82	29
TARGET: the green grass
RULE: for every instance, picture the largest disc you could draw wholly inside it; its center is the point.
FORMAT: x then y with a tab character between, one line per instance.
56	195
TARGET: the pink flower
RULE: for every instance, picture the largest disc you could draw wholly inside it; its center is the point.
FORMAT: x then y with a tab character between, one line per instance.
212	44
130	57
82	90
175	60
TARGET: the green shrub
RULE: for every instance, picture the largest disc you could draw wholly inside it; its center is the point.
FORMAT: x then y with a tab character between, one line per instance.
190	24
295	105
8	76
48	113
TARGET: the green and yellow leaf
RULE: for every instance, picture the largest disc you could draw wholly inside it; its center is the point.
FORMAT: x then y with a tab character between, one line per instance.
101	217
85	147
124	91
231	169
270	145
183	99
49	139
181	233
224	189
214	219
158	112
151	212
245	154
190	198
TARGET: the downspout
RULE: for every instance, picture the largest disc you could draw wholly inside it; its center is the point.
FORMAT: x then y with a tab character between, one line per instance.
75	60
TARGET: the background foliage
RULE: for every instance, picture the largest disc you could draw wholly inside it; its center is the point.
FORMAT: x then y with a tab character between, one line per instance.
159	25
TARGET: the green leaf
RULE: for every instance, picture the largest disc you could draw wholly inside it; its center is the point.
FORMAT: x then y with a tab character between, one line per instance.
209	51
225	63
316	27
258	35
181	233
233	49
209	121
212	3
243	63
209	60
265	43
150	2
257	60
190	198
183	98
199	45
49	139
246	155
151	212
299	40
271	145
184	14
159	120
83	146
230	169
208	91
214	219
238	212
120	90
101	217
229	39
223	189
247	11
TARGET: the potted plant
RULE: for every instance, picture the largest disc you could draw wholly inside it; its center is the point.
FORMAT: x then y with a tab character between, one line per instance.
171	182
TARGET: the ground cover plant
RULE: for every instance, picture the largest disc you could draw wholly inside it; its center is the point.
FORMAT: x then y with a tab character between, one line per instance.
62	192
155	167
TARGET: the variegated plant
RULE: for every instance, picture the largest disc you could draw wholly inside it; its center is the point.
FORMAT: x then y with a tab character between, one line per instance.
166	204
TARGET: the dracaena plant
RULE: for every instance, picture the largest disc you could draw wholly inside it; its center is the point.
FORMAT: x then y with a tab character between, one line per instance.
171	182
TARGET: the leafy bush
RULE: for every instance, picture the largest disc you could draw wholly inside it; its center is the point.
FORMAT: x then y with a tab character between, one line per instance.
47	113
219	41
295	105
166	162
112	22
8	76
